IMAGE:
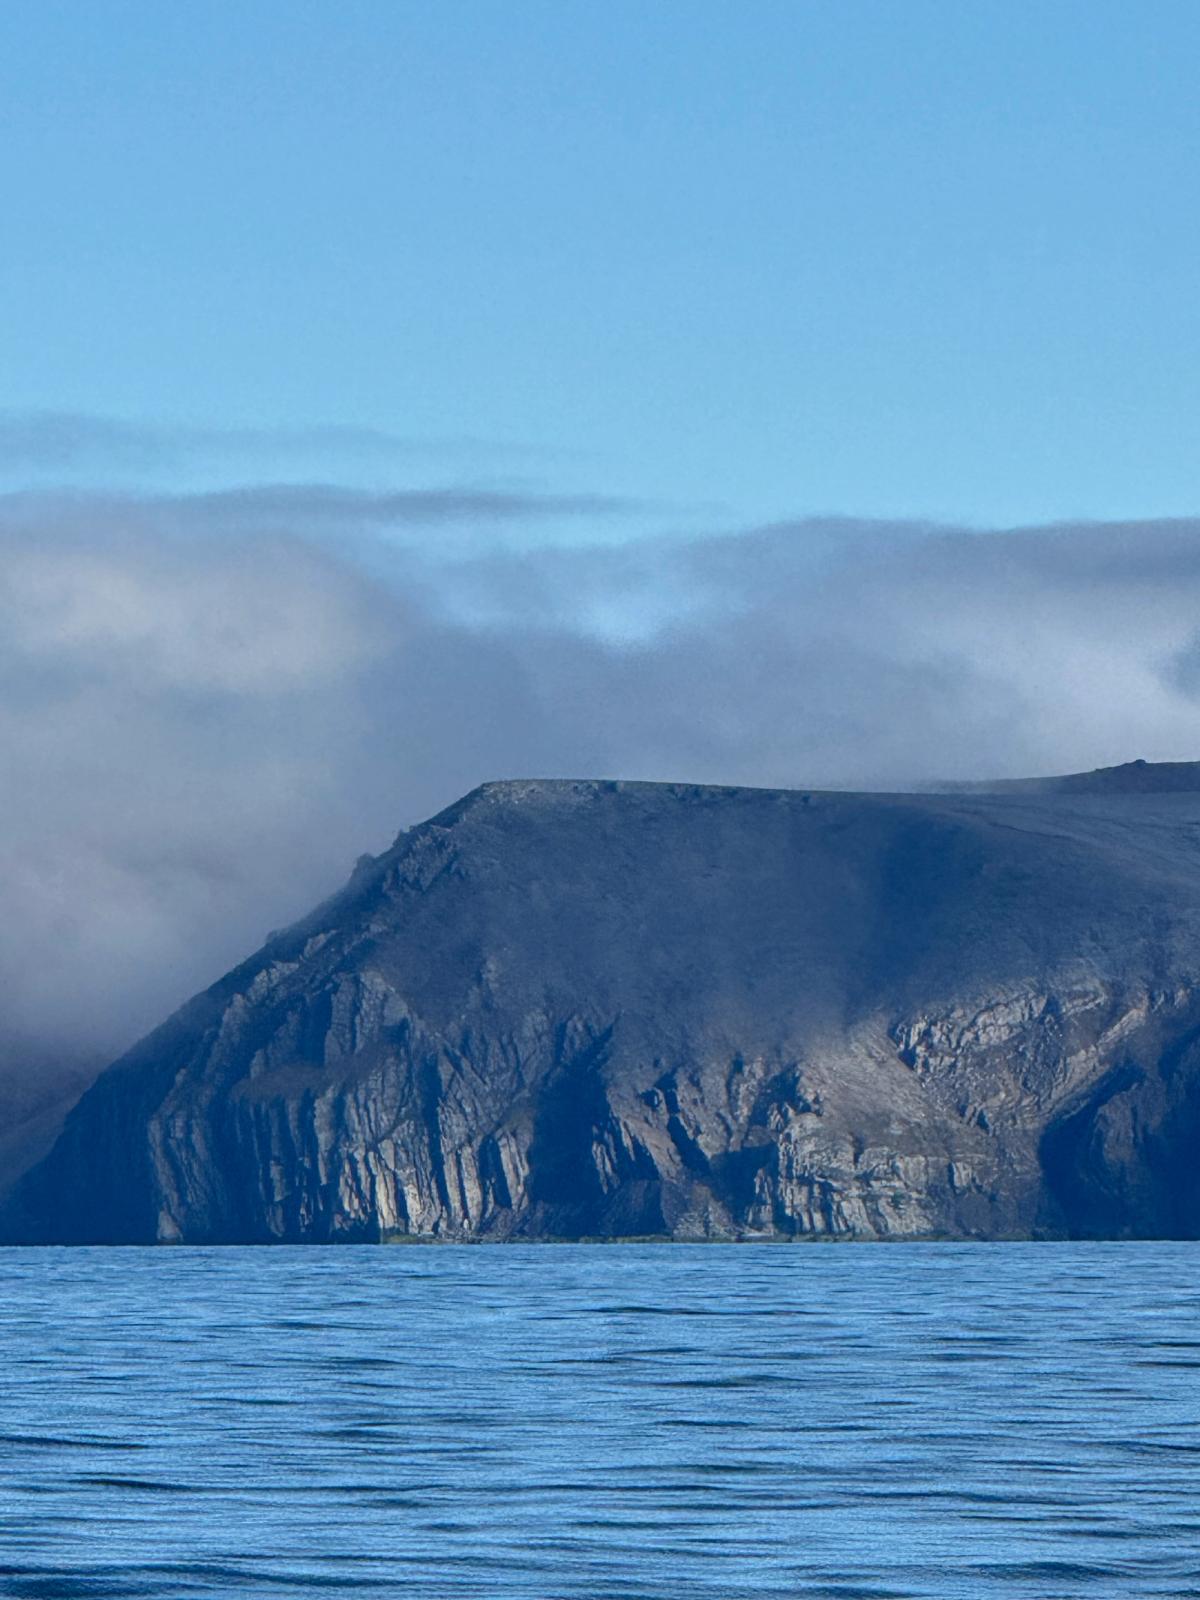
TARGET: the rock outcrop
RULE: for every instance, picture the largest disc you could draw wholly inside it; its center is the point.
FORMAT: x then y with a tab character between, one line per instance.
578	1009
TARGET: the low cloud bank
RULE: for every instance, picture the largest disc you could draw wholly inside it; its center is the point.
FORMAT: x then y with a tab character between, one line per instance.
202	729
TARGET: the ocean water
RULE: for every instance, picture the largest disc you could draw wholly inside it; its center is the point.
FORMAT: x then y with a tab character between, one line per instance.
648	1421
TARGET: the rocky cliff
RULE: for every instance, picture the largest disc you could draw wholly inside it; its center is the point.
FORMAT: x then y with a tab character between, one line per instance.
565	1009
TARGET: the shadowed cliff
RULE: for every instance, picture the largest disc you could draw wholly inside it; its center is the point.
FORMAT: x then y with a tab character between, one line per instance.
565	1009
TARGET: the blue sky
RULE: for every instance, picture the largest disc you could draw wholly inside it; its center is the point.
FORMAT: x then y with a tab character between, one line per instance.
735	261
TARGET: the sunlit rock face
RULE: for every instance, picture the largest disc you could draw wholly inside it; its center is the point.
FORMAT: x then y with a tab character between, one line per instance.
579	1009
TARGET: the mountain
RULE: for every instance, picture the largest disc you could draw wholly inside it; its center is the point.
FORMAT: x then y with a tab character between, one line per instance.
575	1009
38	1086
1132	777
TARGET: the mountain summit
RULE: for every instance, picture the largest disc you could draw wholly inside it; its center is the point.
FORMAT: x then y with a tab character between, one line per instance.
574	1009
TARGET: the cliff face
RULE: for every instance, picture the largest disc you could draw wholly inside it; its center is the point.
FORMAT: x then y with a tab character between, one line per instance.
579	1009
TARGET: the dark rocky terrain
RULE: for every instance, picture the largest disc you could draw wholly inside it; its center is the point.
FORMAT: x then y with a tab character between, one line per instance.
565	1009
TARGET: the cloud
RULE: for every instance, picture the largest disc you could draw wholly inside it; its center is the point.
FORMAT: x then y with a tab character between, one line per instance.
322	508
205	719
63	442
470	516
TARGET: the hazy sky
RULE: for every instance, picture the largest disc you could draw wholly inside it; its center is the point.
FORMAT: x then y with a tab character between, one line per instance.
741	260
397	396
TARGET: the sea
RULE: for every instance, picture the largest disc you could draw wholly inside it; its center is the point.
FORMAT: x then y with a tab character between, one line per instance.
602	1422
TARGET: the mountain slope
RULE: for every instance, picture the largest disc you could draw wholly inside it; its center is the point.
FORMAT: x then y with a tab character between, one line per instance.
1131	777
574	1009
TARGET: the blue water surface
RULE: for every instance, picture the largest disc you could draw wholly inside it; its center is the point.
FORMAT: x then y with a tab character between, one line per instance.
640	1422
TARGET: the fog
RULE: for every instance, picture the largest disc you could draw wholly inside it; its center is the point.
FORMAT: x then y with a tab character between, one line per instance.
212	704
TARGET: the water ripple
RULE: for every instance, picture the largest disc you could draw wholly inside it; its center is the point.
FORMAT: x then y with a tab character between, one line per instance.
524	1423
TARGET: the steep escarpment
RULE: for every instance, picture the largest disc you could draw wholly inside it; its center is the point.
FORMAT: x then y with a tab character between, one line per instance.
600	1009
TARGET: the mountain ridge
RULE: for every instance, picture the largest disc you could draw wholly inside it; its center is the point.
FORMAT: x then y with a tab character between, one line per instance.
565	1008
1130	777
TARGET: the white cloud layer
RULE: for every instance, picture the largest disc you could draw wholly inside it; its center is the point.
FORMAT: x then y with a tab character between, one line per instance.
201	730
